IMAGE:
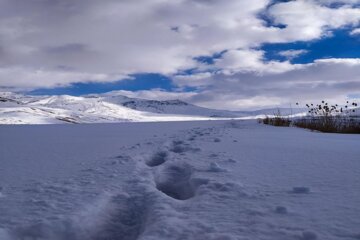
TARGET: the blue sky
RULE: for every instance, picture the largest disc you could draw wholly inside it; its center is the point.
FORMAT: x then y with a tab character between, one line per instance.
220	54
340	44
135	83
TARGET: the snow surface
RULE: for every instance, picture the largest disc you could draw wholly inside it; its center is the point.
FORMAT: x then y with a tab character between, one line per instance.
220	180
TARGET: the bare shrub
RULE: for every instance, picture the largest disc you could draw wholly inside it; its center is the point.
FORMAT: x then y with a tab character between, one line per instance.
330	118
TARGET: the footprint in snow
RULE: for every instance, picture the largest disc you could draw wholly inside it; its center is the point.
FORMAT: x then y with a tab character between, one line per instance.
300	190
157	159
175	180
179	146
281	210
308	235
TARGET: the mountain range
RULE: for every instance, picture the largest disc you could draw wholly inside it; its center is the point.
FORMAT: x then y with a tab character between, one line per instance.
110	107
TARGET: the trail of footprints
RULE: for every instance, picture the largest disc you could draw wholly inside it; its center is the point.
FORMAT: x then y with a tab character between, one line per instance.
129	208
174	181
157	159
175	178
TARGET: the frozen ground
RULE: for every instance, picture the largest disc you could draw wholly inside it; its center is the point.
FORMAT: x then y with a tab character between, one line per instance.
189	180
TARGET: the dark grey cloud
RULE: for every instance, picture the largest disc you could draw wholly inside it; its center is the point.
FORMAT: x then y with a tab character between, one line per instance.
68	48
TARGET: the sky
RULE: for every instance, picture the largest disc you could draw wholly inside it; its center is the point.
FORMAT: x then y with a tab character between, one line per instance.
224	54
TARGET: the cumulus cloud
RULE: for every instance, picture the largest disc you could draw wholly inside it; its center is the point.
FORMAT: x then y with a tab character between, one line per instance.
30	78
355	31
329	2
157	94
235	61
124	37
291	54
60	42
331	79
307	20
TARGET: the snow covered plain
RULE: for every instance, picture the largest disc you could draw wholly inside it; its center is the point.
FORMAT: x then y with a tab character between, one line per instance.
212	180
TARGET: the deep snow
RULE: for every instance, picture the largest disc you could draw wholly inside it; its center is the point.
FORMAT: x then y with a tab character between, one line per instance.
179	180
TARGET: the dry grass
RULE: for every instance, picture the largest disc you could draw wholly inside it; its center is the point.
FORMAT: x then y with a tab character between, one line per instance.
330	124
322	117
276	121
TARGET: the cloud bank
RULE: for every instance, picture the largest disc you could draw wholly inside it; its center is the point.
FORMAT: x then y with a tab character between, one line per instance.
51	43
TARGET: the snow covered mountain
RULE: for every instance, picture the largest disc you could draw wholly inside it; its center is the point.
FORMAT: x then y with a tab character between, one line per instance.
176	107
109	107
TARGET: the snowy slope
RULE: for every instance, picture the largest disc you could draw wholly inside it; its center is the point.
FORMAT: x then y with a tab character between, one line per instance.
109	107
176	107
19	109
216	180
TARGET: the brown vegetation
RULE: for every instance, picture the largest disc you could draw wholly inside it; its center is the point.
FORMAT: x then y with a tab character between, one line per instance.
330	118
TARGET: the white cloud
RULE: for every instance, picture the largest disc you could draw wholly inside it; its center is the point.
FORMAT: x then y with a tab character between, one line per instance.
194	80
307	20
60	42
161	36
291	54
329	2
331	79
156	94
122	37
233	102
29	78
235	61
340	61
355	31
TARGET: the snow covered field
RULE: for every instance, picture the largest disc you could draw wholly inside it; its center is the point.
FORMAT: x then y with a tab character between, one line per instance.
211	180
